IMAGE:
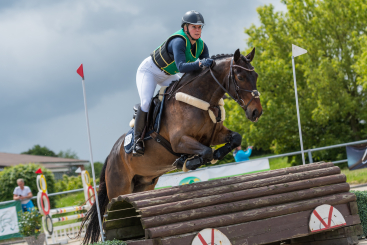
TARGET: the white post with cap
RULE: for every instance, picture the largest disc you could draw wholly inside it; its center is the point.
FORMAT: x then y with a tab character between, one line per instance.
297	51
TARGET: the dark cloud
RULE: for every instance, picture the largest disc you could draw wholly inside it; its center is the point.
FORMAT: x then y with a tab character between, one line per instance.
44	42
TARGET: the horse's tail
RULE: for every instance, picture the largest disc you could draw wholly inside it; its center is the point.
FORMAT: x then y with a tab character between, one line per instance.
90	221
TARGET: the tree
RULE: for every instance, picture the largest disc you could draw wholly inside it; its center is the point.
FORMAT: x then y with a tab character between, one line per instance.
68	154
69	183
97	169
40	151
330	78
9	176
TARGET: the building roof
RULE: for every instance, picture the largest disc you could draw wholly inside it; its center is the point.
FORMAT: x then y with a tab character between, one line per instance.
10	159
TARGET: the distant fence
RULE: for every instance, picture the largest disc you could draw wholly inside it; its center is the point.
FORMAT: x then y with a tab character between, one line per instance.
309	151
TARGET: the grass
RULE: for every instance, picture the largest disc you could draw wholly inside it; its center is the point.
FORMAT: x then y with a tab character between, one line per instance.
74	199
277	163
68	200
358	176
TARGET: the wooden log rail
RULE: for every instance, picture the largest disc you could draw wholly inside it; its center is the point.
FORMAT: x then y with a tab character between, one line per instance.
241	195
246	216
277	195
243	205
217	182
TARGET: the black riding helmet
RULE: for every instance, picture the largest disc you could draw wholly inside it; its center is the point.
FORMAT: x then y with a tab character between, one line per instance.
192	17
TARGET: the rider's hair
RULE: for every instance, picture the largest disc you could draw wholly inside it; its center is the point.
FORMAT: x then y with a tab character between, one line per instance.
20	180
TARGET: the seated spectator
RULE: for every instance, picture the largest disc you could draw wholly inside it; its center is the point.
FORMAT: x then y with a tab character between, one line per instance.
24	194
240	155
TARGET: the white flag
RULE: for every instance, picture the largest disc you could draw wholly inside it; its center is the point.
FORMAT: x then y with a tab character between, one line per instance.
297	51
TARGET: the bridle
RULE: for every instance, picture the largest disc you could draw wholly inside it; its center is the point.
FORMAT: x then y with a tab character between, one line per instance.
231	78
239	100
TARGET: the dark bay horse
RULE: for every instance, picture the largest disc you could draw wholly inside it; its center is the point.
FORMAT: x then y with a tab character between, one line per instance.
189	130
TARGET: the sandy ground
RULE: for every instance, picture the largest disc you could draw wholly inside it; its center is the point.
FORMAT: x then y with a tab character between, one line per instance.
361	187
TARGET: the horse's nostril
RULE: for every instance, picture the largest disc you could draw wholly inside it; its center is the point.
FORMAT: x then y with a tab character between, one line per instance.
254	113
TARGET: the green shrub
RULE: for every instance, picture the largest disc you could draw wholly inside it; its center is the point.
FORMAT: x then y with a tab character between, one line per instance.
9	176
362	208
29	223
113	242
97	170
69	183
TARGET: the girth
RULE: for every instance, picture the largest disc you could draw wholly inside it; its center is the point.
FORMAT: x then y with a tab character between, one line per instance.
163	142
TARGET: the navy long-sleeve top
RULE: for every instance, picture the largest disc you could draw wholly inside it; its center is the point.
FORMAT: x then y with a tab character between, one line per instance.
177	47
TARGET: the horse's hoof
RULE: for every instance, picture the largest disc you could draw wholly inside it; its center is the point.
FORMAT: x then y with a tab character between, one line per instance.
179	163
194	163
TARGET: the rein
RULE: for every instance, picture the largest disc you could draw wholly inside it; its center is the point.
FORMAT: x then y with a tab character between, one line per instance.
174	90
239	100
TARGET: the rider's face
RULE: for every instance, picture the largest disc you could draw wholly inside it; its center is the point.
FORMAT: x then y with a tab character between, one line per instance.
195	30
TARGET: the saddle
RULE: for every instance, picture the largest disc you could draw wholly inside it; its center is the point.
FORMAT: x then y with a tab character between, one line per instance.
153	124
154	117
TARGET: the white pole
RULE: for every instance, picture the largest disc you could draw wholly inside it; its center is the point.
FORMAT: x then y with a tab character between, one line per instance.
92	163
299	119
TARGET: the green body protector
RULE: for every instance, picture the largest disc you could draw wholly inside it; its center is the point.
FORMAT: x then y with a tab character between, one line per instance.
165	62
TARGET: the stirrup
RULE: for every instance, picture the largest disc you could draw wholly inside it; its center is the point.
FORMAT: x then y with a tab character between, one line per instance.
136	153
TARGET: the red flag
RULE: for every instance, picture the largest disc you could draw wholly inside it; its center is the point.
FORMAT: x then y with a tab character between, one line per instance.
39	171
80	71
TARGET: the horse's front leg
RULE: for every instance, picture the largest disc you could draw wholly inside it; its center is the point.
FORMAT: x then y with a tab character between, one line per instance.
224	135
189	145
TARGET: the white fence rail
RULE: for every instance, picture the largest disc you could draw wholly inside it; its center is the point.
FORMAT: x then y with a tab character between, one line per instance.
62	234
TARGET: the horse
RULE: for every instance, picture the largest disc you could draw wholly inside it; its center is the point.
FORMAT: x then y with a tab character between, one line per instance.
188	129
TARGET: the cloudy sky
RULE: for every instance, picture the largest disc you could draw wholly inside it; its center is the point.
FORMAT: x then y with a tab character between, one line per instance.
42	43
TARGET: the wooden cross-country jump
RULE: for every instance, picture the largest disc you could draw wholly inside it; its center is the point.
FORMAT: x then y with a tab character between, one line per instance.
261	208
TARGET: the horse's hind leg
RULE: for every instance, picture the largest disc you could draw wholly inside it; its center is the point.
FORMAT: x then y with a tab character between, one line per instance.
143	183
118	179
224	135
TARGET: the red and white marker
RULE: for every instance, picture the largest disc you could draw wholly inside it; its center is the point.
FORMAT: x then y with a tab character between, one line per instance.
210	236
326	217
91	196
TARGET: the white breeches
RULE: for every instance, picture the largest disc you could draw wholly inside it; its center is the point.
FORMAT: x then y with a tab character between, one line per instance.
147	78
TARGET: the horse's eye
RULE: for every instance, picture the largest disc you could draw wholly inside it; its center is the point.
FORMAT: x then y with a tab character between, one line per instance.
239	77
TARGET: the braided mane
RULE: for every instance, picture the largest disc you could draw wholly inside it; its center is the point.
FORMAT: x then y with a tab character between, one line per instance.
221	56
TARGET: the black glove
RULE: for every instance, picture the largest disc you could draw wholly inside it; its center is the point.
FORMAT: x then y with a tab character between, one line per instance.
206	62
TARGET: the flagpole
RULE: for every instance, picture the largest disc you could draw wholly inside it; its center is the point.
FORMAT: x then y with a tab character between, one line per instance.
91	159
298	117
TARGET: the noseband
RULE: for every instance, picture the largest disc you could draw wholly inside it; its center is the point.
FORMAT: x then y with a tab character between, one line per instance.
231	78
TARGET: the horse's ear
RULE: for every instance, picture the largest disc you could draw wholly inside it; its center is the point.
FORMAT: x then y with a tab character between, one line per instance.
236	55
251	55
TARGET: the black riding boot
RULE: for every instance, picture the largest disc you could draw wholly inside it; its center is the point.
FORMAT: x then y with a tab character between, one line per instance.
140	120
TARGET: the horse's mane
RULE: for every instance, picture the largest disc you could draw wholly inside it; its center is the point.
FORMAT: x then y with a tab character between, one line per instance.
220	56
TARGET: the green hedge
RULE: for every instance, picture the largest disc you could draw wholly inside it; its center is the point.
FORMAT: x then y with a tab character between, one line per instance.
9	176
69	183
362	208
113	242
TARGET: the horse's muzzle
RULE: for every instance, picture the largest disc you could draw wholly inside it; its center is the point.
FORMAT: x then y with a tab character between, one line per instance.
253	115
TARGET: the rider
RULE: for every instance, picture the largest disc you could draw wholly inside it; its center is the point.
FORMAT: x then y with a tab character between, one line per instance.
179	53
